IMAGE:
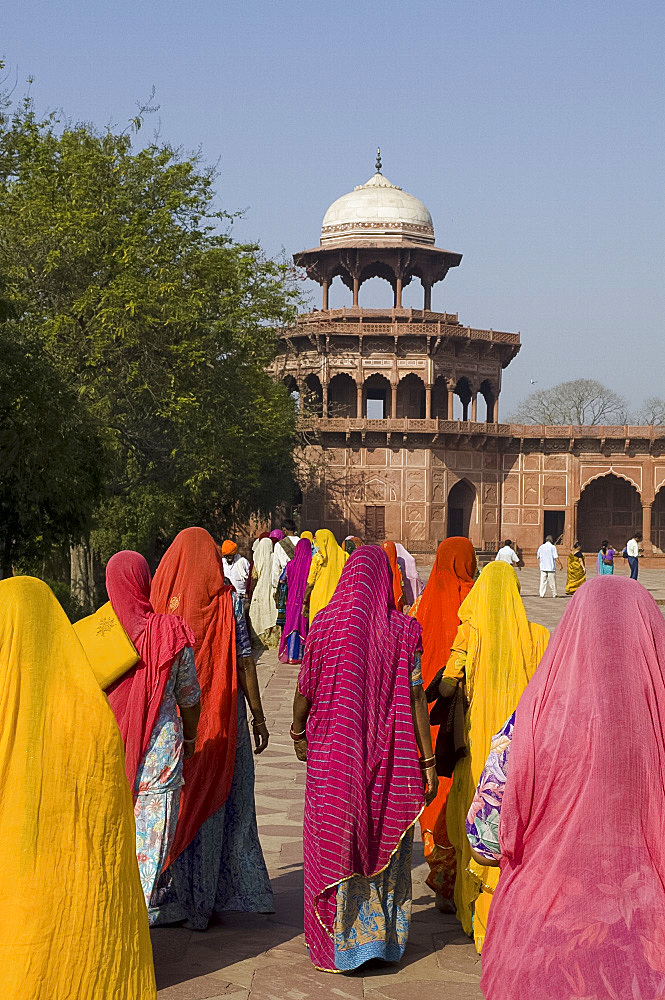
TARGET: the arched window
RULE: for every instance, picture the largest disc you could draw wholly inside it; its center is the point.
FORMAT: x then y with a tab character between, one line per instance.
411	398
376	394
313	401
342	396
440	399
488	394
463	393
293	390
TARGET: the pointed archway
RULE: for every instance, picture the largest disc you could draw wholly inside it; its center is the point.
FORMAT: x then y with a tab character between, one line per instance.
461	500
609	508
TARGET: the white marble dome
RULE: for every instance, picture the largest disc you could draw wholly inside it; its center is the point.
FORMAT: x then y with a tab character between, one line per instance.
377	210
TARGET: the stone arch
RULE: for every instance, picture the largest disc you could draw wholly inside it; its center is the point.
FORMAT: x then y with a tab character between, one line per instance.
411	397
489	394
342	396
609	507
376	397
461	503
464	392
658	520
313	396
293	390
340	293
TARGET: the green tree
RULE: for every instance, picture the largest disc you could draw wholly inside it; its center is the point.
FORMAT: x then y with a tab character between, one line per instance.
50	468
119	264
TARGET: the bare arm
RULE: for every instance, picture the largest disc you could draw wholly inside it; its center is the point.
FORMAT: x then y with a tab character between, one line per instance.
301	708
480	859
421	728
305	601
190	723
249	682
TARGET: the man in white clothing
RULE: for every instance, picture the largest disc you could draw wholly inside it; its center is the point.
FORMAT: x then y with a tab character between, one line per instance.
633	553
507	554
283	552
548	559
236	568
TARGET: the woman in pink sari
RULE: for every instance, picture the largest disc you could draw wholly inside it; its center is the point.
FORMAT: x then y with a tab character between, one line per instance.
296	626
157	734
579	911
359	720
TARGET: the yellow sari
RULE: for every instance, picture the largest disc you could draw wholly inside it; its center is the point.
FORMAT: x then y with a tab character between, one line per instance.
497	649
326	568
575	572
73	922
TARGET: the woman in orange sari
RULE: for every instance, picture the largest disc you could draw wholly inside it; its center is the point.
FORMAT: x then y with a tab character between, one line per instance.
216	862
398	584
436	609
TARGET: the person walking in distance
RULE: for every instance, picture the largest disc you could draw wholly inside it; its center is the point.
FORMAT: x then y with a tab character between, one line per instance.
548	560
633	554
507	554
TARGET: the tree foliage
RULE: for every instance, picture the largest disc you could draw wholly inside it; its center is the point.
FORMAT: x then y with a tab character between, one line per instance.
119	266
581	401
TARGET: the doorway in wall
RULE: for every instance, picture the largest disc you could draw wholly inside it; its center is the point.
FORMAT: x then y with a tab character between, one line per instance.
375	523
553	524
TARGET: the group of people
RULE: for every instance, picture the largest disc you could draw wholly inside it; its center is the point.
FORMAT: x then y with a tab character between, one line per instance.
548	561
539	802
133	807
520	778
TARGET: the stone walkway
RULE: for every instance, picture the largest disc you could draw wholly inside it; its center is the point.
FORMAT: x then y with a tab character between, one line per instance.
256	957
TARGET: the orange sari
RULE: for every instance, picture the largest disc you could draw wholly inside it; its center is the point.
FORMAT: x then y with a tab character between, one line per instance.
190	582
437	609
398	584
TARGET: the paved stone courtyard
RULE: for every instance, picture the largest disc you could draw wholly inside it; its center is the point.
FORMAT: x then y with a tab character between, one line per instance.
256	957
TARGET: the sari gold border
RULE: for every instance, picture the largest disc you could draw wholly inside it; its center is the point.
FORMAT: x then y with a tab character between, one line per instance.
359	875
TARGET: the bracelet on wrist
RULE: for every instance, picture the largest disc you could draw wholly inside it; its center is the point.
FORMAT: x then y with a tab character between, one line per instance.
189	741
259	722
427	762
296	737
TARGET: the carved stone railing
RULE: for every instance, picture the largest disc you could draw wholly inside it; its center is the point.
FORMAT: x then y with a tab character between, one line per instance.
410	425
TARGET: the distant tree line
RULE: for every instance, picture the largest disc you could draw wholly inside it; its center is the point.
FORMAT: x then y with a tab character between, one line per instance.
135	335
585	401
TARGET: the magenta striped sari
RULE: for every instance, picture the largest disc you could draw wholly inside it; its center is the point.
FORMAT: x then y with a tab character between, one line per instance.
364	786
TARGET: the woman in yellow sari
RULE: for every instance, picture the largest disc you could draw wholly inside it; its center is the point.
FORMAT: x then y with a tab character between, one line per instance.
73	921
326	568
495	654
575	569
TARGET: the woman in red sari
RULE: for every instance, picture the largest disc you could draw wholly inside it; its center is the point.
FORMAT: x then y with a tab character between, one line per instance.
436	609
216	862
396	573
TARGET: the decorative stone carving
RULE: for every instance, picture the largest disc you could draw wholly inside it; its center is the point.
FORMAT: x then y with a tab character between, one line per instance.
378	346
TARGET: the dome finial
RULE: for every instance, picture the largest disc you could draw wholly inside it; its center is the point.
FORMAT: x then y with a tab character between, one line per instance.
378	160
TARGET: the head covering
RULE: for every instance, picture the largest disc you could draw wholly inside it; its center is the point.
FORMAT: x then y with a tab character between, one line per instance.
325	571
229	548
364	787
413	585
398	585
277	535
136	698
189	580
73	921
581	826
308	535
449	582
503	651
263	610
297	570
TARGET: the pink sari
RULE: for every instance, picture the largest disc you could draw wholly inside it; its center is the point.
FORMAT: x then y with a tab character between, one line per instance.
364	787
579	911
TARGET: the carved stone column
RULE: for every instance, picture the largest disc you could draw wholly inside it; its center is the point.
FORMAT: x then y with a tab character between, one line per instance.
398	292
646	528
428	402
474	407
324	298
325	399
450	385
393	399
356	289
359	400
427	295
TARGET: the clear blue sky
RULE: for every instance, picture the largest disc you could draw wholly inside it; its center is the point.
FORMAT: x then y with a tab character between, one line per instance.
532	129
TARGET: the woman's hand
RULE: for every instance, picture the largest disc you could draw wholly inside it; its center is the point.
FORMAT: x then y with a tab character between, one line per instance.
431	783
189	746
300	747
261	736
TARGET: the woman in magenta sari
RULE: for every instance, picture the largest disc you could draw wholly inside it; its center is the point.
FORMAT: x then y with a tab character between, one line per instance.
360	720
296	626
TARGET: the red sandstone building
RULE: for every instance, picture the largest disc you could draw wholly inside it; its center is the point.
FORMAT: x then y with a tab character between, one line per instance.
399	410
